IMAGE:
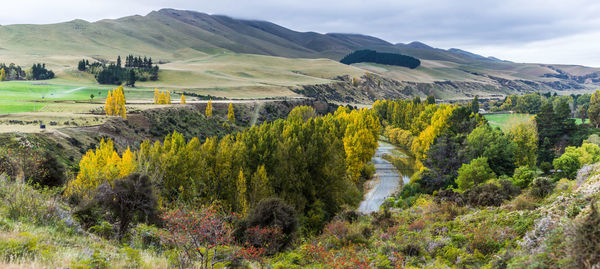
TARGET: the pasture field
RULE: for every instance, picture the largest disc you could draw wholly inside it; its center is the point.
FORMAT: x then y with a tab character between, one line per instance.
503	121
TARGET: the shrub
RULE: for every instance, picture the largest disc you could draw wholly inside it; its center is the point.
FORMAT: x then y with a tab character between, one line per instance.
197	233
26	246
24	203
274	213
586	242
474	173
541	187
523	176
566	166
449	196
491	194
128	200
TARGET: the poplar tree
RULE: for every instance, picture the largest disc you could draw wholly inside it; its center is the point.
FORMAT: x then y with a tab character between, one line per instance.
182	99
209	109
231	114
241	192
2	75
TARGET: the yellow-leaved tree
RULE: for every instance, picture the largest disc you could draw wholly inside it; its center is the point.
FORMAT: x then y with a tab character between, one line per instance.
156	96
100	166
241	193
2	74
209	109
230	113
115	103
525	136
182	99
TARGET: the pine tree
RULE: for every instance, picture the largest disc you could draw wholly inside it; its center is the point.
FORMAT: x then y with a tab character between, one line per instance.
475	105
119	61
182	99
2	75
241	193
209	109
231	114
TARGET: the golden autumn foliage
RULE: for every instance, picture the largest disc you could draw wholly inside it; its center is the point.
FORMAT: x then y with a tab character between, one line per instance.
230	114
163	98
115	103
100	166
182	100
2	74
209	109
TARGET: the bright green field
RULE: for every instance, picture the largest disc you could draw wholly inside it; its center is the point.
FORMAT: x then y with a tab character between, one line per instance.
28	96
503	121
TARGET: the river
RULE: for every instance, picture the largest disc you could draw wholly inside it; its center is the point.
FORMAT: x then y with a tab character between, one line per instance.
386	180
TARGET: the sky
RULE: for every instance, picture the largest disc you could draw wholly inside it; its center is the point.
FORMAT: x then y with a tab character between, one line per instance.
539	31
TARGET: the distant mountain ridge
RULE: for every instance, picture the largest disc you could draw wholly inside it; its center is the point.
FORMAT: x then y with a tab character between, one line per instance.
170	35
170	30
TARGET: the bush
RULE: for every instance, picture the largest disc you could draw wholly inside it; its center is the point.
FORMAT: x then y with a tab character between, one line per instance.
270	214
586	242
26	246
449	196
566	166
128	200
491	194
541	187
523	176
50	173
22	202
474	173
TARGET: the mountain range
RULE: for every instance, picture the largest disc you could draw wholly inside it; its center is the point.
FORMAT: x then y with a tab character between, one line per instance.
176	35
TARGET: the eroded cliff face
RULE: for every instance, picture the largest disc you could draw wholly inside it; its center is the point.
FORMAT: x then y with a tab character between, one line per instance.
371	87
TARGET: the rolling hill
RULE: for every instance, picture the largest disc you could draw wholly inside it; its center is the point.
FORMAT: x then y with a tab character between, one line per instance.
221	55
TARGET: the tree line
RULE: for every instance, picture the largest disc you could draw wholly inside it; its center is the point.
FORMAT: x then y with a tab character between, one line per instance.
135	69
14	72
371	56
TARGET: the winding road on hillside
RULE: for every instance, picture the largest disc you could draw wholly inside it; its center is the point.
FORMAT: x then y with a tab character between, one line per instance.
386	180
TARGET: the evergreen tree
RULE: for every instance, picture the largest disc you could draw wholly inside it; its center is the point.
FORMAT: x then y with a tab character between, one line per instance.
547	124
119	61
430	100
475	105
131	79
231	114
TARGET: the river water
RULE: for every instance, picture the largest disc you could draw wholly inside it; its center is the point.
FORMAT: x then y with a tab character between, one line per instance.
386	180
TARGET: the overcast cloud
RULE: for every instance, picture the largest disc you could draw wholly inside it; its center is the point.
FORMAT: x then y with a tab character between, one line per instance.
523	31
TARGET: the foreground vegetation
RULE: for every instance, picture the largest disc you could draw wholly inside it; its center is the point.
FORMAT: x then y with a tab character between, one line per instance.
283	194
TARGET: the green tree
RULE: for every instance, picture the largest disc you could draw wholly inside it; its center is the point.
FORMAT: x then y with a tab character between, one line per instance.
241	193
495	146
523	176
131	78
525	137
547	124
594	109
430	100
474	173
566	166
475	105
